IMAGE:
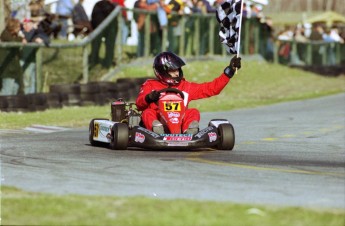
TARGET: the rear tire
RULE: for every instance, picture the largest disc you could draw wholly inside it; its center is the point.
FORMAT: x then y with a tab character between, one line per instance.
92	133
226	136
119	136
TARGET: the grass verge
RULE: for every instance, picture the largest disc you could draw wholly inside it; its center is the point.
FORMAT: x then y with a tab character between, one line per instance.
27	208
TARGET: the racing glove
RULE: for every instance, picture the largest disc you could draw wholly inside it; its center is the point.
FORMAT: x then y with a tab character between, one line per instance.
152	97
235	63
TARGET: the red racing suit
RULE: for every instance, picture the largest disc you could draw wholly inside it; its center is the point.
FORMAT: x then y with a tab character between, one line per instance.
191	90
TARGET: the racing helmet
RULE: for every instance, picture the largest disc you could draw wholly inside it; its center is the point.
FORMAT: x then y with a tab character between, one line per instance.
163	63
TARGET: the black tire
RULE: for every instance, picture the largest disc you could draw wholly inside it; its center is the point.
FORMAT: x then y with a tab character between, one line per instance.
91	133
120	136
226	136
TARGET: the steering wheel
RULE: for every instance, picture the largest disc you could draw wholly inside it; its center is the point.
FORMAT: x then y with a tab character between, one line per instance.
172	90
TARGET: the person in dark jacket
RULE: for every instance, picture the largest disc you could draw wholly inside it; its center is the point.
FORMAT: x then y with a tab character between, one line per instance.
81	22
28	58
10	70
100	11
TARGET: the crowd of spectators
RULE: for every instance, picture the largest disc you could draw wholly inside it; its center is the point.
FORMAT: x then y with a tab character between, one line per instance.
301	35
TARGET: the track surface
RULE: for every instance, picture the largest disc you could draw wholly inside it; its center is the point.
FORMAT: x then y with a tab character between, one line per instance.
290	154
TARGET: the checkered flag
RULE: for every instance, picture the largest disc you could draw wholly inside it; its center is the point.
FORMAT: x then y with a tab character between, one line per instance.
229	16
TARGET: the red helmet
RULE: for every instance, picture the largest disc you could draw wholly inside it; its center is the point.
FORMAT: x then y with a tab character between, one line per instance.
165	62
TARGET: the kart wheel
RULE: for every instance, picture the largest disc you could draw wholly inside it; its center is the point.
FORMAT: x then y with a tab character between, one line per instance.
226	136
92	132
119	136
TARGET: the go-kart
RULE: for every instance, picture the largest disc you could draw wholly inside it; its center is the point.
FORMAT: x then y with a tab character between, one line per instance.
125	128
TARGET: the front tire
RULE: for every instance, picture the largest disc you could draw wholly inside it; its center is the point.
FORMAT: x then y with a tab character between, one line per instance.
226	136
119	136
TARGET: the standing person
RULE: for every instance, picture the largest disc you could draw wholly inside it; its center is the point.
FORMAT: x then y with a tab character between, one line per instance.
64	10
28	58
174	28
81	22
100	11
154	28
10	70
167	68
125	22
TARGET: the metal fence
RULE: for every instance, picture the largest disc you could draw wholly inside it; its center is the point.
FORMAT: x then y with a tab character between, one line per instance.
197	36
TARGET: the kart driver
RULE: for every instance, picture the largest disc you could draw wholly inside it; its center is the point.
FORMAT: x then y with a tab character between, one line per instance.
167	67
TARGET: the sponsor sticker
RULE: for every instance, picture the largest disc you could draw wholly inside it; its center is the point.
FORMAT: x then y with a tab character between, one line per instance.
173	114
153	134
95	130
212	136
204	131
139	137
177	137
174	120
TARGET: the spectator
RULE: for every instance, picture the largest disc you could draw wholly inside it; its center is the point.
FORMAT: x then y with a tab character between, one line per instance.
28	58
208	7
285	47
49	25
81	22
161	12
20	9
64	10
267	32
154	28
335	35
299	35
36	9
33	34
329	49
174	28
125	22
10	70
100	11
245	11
316	33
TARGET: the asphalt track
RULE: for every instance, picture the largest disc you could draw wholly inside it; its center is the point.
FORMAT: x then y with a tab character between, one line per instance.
289	154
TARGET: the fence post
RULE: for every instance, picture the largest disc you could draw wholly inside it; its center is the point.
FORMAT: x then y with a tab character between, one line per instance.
196	45
326	48
147	38
337	53
39	79
246	42
182	23
275	52
309	56
85	64
211	37
118	43
256	38
164	38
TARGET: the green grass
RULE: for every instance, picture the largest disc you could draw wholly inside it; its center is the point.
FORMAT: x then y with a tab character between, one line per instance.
257	83
27	208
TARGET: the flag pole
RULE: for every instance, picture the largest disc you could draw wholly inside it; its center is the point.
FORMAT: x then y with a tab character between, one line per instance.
239	30
239	33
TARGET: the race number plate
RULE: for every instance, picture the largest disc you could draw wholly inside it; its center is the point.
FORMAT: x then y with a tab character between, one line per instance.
172	106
